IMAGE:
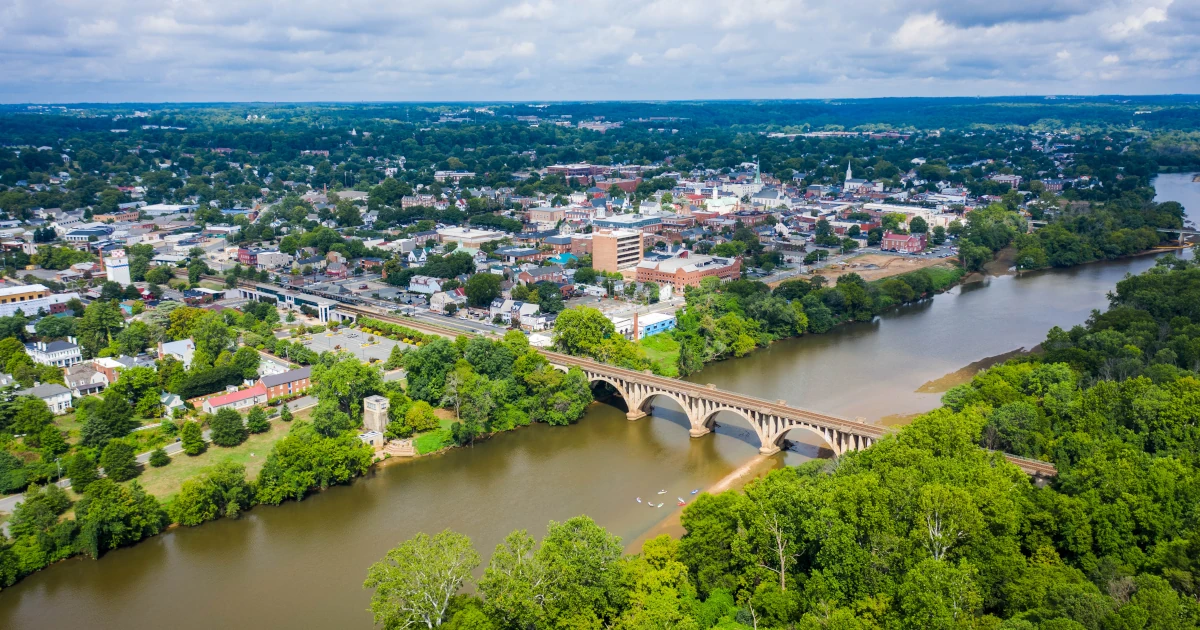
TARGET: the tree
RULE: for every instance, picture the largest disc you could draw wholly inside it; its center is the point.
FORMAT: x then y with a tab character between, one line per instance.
346	383
482	288
81	469
31	418
918	225
100	323
256	421
112	516
119	460
135	338
192	438
159	458
579	330
415	582
246	360
305	460
285	414
219	491
395	358
226	428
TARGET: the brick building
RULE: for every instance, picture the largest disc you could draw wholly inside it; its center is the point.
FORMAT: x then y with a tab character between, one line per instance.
687	270
287	383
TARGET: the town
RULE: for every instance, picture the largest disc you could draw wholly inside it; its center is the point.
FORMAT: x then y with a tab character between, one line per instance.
209	309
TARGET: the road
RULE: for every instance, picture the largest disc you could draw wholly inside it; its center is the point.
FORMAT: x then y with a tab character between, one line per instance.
7	504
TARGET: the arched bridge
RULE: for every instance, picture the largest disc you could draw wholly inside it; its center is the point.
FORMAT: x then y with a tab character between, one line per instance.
770	420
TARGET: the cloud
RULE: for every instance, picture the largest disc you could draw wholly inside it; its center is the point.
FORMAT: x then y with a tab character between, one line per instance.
217	50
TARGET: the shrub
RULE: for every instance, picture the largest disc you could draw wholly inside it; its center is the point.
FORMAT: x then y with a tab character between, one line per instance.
119	461
159	458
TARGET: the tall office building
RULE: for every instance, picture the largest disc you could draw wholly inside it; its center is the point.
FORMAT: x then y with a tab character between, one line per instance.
116	265
616	250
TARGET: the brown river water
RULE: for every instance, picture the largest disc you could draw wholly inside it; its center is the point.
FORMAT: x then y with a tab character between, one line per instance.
301	565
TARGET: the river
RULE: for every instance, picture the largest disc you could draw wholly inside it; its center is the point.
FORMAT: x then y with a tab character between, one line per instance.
301	565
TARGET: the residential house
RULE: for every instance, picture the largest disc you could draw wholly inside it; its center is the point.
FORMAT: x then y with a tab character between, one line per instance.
425	284
84	379
181	350
438	302
56	397
57	353
541	274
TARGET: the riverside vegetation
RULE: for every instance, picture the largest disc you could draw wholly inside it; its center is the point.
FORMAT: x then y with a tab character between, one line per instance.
492	386
926	529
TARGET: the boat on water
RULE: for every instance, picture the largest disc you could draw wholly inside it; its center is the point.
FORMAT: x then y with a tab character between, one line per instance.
696	490
639	499
681	501
662	491
659	505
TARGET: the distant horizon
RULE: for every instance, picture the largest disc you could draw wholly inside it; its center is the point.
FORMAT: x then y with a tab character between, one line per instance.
998	97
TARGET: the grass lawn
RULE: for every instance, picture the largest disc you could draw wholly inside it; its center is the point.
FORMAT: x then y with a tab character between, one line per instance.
71	425
435	440
663	350
166	481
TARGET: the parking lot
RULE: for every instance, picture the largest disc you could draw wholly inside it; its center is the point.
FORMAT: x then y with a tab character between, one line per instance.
353	341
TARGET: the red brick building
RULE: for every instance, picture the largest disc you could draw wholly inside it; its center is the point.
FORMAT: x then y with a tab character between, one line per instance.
288	383
687	270
910	243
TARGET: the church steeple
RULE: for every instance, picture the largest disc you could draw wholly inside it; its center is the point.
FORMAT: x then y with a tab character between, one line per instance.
849	173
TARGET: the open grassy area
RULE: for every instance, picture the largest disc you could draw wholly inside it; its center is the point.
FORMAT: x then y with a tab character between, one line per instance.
166	481
435	440
663	350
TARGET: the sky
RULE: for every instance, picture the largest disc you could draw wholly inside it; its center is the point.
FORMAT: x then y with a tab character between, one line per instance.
420	50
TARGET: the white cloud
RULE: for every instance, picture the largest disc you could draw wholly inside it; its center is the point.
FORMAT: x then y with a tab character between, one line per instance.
64	50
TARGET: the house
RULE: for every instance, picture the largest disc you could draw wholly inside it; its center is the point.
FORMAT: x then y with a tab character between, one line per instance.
111	367
57	353
287	383
540	274
170	402
237	400
57	397
425	285
910	243
84	379
442	299
182	350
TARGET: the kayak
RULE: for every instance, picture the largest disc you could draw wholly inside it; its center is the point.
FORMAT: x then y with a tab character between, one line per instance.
662	491
696	490
639	499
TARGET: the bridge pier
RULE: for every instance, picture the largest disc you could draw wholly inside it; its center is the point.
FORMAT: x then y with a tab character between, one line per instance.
769	449
635	414
701	431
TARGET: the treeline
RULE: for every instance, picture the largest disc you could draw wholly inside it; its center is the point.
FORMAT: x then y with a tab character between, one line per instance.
111	513
731	319
492	386
925	529
1102	231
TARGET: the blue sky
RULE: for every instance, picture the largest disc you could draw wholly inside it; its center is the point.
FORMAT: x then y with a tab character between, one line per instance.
221	50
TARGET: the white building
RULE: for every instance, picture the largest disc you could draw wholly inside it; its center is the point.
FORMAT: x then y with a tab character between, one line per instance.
56	353
468	237
116	266
425	284
57	397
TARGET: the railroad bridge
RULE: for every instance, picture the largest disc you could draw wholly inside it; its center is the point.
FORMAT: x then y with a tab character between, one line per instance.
771	421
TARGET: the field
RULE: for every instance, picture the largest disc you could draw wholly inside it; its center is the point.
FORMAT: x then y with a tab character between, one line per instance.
166	481
879	266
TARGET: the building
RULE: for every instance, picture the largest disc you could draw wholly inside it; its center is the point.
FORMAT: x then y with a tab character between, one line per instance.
375	413
131	215
467	237
84	379
453	176
29	299
910	243
647	325
56	397
647	223
288	383
116	266
181	350
687	270
546	214
111	367
237	400
616	250
57	353
425	284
